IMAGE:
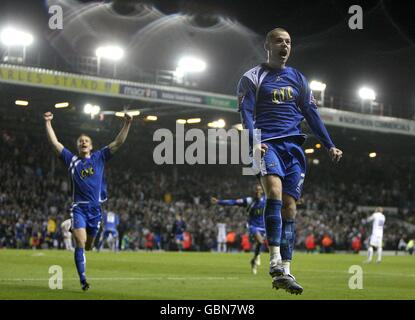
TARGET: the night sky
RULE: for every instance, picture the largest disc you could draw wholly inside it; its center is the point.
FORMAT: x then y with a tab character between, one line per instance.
382	55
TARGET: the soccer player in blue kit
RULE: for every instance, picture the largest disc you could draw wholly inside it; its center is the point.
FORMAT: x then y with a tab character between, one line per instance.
254	208
109	232
275	99
88	187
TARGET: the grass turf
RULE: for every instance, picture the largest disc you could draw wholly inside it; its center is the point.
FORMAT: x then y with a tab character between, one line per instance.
24	274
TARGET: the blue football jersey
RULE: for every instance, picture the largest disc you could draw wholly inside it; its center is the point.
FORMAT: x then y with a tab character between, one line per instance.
277	101
87	176
254	208
179	227
111	221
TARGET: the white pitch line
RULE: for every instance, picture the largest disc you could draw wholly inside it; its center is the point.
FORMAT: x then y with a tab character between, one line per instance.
364	272
126	279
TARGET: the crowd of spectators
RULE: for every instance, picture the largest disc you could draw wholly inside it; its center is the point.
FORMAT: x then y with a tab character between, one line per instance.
35	198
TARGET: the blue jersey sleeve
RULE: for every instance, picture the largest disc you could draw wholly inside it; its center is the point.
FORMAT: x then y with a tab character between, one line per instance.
237	202
308	107
66	156
105	154
246	101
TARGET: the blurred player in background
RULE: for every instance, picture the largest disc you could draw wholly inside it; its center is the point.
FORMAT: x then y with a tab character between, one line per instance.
254	207
67	235
179	227
375	241
221	239
88	187
109	231
275	99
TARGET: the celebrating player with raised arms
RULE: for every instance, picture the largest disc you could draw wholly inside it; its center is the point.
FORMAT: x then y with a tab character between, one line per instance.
86	171
376	238
275	99
254	207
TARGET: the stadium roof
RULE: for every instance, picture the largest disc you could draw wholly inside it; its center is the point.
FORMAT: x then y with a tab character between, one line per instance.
229	34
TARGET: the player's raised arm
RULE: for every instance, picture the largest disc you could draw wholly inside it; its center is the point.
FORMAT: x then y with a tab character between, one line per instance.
120	139
236	202
53	140
310	112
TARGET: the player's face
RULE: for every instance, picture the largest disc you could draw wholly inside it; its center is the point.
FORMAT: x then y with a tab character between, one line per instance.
279	47
84	145
258	191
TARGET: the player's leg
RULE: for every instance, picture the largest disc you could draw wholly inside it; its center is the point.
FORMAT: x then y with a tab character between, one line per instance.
272	217
379	252
117	241
80	259
289	212
101	240
369	253
78	226
259	240
291	191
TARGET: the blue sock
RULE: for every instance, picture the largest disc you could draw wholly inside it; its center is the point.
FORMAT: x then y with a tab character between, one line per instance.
80	263
287	239
272	218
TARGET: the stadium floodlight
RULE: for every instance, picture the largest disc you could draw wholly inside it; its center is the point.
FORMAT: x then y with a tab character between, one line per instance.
367	94
318	146
22	103
62	105
372	155
218	124
93	110
88	108
317	86
181	121
238	126
109	52
320	87
190	64
309	151
151	118
13	37
131	113
194	120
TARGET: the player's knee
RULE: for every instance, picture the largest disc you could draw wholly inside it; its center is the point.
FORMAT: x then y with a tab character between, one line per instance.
274	192
289	212
289	207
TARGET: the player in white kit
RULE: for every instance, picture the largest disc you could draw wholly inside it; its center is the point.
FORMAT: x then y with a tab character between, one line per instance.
221	237
375	241
67	235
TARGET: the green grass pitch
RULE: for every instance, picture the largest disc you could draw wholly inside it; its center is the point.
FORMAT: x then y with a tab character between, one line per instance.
24	274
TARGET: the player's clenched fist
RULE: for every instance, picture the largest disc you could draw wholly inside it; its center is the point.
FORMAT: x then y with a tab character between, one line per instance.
335	154
48	116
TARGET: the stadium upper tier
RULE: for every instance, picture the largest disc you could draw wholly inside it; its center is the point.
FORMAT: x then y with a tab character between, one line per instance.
154	95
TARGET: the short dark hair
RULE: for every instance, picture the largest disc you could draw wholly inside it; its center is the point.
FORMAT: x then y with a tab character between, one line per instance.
270	34
83	135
